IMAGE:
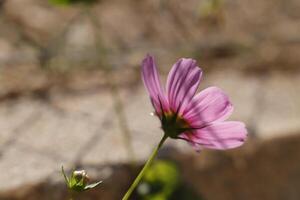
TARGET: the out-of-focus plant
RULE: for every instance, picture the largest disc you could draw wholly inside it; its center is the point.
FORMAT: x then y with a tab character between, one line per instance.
68	2
159	181
211	7
212	12
163	182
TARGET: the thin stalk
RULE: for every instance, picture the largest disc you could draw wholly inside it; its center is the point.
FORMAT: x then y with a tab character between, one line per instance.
71	195
146	166
114	89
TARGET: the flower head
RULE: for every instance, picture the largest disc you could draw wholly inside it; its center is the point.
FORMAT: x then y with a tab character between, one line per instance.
196	118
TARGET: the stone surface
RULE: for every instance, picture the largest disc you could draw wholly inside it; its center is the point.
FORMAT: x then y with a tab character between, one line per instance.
270	170
37	21
83	129
246	35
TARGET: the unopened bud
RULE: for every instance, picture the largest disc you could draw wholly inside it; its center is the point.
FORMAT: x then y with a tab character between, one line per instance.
79	181
80	176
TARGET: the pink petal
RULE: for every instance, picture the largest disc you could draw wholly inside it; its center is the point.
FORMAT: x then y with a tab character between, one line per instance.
182	83
210	105
220	135
152	83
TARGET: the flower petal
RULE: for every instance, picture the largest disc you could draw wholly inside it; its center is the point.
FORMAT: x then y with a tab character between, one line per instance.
221	135
210	105
152	83
182	83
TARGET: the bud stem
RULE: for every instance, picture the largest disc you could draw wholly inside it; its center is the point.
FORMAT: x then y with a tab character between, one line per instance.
71	195
146	166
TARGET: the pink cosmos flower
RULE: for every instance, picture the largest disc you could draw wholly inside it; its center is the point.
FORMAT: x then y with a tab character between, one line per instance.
196	118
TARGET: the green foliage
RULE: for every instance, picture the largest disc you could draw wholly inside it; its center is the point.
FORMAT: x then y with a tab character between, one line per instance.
70	2
162	182
159	181
211	7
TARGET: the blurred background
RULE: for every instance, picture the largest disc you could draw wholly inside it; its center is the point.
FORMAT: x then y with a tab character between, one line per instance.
71	94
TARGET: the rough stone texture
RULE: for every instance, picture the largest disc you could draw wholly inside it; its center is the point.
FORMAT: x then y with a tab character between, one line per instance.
251	35
83	129
259	170
36	20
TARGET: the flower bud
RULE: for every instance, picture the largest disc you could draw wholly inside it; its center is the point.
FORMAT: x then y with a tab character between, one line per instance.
80	176
79	181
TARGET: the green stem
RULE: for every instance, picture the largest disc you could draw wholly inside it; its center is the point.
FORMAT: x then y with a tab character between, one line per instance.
146	166
117	102
71	195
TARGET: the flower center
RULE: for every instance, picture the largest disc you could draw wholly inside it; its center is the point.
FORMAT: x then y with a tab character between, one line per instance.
173	124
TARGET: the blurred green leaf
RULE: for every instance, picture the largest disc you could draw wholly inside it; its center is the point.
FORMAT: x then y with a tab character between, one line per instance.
163	182
70	2
160	180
